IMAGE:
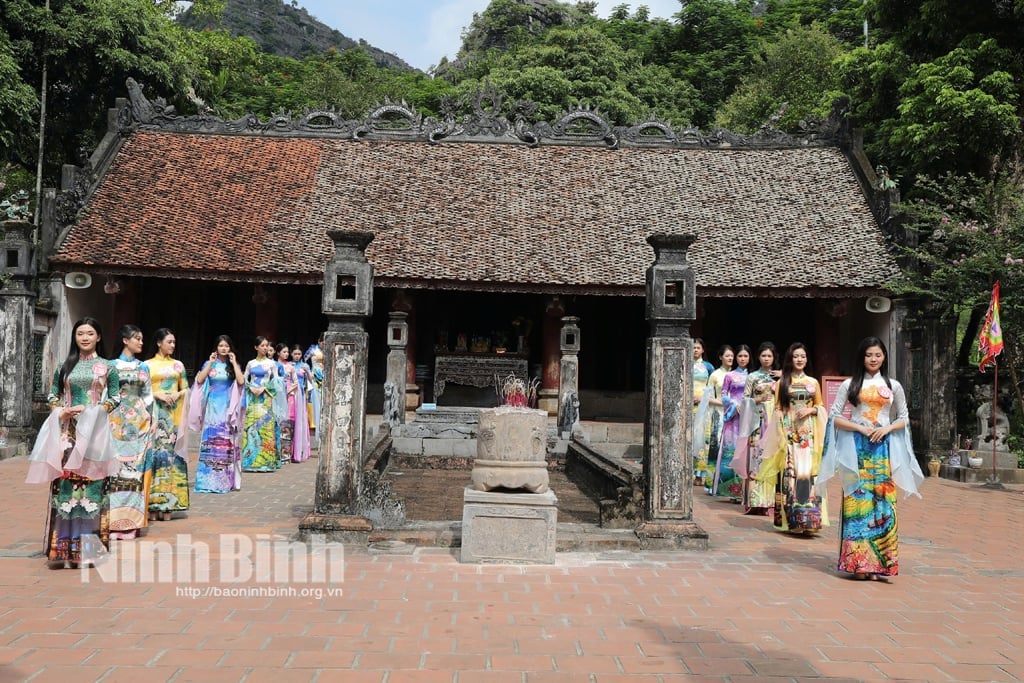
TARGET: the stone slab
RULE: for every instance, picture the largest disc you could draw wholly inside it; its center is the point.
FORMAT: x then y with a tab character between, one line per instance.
509	528
452	414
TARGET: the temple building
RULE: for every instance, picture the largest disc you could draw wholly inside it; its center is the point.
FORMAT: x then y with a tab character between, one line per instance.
487	232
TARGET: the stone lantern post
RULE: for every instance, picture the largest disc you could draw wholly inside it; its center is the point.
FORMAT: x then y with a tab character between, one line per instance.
569	376
347	302
668	463
16	302
395	382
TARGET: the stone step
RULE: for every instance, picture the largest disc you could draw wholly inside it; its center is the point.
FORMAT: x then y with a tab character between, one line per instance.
981	475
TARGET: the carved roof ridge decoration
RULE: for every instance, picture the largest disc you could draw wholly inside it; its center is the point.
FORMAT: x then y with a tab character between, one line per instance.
582	126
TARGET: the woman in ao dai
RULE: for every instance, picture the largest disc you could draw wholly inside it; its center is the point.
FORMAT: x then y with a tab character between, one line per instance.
261	431
303	408
873	453
702	428
727	483
74	452
713	395
793	450
131	426
216	412
168	454
758	407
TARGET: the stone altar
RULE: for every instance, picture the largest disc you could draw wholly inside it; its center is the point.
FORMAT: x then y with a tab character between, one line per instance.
509	514
511	450
476	369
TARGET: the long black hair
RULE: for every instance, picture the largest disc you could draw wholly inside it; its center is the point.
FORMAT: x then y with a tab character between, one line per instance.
74	353
768	346
721	352
787	373
736	357
857	379
159	336
127	332
231	349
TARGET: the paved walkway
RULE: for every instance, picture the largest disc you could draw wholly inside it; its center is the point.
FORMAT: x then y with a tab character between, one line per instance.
757	607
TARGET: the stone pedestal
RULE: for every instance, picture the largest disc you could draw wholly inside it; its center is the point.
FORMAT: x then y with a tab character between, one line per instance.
547	400
511	450
512	528
413	396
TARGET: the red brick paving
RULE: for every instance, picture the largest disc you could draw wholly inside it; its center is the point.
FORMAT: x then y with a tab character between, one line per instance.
758	606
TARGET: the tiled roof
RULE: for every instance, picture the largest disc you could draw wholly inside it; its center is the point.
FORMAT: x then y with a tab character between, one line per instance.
486	215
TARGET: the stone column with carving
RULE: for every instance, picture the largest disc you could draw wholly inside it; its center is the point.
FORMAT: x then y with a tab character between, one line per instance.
667	460
16	304
547	398
394	384
569	376
347	302
413	396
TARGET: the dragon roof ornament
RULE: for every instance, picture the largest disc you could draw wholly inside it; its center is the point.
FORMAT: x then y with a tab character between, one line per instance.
583	125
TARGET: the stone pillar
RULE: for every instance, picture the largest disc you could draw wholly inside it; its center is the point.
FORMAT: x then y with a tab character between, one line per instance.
547	397
394	384
347	303
413	396
16	314
667	463
568	379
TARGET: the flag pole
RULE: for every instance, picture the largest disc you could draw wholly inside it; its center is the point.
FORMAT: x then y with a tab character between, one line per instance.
993	481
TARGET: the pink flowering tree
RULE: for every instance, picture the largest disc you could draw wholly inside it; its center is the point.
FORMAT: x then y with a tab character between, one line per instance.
970	233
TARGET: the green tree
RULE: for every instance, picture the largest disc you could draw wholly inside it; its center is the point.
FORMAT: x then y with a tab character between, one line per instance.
89	48
971	233
582	64
958	112
797	71
710	48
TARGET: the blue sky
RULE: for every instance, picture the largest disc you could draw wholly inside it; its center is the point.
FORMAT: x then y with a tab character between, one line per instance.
422	31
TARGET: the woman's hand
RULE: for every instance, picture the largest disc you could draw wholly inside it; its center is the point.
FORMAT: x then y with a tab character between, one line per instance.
806	412
256	391
213	356
876	434
73	411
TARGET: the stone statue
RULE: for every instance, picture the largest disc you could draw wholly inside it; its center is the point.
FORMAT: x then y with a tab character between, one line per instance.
985	434
391	417
569	415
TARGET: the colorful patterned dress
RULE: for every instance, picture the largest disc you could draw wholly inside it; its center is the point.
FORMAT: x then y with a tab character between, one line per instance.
131	427
315	357
168	454
305	376
291	391
795	454
758	496
218	408
727	483
79	505
869	541
701	372
714	420
261	435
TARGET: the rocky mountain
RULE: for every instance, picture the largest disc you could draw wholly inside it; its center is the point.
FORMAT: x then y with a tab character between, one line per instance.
286	30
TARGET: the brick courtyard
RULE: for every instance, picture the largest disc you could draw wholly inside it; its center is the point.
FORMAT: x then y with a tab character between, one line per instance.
756	607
